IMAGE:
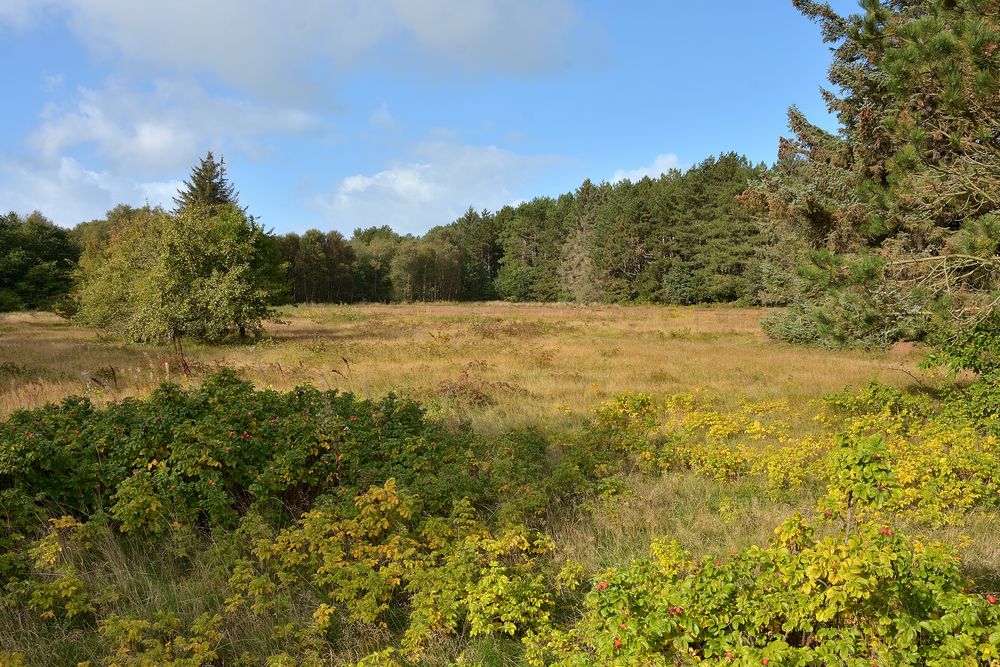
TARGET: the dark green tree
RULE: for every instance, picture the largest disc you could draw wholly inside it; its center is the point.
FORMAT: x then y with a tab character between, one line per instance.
207	187
624	240
427	269
478	240
532	235
891	214
374	249
37	259
320	266
578	279
718	235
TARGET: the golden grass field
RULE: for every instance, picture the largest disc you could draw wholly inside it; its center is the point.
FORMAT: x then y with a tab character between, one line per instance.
495	365
500	366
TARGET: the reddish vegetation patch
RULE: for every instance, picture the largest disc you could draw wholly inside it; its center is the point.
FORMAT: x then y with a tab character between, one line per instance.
903	348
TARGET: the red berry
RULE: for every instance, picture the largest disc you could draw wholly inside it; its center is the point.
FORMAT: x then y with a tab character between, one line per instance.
602	585
992	599
886	531
718	563
729	655
624	626
764	661
618	642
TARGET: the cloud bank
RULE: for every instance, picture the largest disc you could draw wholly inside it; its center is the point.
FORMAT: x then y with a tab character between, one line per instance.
242	75
443	180
272	50
163	128
662	164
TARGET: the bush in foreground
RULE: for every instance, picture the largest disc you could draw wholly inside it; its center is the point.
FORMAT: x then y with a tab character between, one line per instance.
230	525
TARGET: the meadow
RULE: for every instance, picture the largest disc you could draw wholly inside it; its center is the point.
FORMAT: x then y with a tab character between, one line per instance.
496	365
552	484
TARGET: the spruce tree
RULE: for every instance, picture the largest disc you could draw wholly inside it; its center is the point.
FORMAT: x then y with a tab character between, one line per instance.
208	186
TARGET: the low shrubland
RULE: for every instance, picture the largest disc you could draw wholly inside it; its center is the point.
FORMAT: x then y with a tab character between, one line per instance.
225	524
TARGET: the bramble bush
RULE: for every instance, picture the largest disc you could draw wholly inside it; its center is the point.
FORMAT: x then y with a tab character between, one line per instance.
687	431
335	529
368	506
877	599
376	560
209	455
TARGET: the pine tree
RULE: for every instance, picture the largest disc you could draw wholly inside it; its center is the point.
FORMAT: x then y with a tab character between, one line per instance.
896	211
578	278
208	186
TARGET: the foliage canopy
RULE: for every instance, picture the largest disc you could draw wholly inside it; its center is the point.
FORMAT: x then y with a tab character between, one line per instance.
207	273
894	216
37	259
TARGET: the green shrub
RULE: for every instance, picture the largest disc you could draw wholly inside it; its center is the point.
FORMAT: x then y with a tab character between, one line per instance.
878	598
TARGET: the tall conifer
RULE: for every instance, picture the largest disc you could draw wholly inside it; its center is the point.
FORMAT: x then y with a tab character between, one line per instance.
208	186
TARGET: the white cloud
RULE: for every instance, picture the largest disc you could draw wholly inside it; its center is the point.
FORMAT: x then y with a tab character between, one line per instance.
116	144
436	188
512	35
54	82
662	164
270	48
68	193
123	141
165	128
160	192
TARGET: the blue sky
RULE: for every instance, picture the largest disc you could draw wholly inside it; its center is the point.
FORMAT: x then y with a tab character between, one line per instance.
336	114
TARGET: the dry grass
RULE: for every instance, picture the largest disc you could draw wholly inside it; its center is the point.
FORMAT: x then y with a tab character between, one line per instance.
708	517
496	365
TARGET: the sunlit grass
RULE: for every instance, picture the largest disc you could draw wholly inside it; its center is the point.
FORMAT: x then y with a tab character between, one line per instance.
494	365
497	367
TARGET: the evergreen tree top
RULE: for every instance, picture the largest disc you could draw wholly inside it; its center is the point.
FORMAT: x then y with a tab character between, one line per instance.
207	187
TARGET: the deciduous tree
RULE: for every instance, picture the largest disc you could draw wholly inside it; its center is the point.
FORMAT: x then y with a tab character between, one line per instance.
207	273
36	262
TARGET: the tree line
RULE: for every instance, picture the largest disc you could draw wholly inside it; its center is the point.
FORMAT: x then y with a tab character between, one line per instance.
209	270
887	229
681	238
